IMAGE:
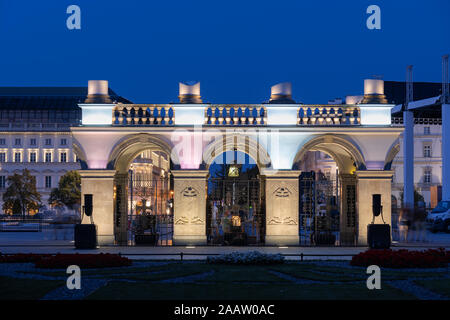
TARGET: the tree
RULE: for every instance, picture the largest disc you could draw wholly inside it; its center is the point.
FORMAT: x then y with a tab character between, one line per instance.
21	196
68	192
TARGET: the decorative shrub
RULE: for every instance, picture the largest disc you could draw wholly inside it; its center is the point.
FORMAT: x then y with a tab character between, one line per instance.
62	261
388	258
246	258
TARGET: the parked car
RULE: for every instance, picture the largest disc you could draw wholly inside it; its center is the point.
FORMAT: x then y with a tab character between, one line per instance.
439	218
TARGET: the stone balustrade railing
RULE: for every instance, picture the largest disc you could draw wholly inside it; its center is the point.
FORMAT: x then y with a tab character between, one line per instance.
235	115
148	114
328	115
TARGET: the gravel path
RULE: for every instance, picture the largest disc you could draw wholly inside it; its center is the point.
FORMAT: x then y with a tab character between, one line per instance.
88	286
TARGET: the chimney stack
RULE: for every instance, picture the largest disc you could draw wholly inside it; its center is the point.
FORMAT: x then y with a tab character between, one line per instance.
374	92
189	92
98	92
281	93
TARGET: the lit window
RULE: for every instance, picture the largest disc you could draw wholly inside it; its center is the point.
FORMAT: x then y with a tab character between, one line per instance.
63	157
427	151
426	130
48	157
2	156
2	182
33	157
427	176
17	157
48	182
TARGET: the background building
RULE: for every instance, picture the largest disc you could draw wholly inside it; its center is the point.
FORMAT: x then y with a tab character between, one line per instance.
35	133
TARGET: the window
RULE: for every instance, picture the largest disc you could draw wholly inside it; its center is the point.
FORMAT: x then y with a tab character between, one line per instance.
48	157
2	156
48	142
2	142
427	151
63	142
63	157
17	142
48	182
32	142
426	130
427	176
17	157
2	182
33	157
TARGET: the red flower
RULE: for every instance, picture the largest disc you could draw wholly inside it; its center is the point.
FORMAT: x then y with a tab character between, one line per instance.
402	258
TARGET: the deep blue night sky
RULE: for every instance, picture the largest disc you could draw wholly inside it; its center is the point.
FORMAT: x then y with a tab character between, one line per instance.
236	49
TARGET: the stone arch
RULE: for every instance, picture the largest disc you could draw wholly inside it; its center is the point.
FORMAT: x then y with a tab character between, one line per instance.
346	153
235	142
392	153
126	150
81	155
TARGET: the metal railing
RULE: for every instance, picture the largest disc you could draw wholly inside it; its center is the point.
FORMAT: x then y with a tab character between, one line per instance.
182	255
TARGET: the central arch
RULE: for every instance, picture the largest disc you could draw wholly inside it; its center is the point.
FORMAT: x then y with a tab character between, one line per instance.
237	142
235	212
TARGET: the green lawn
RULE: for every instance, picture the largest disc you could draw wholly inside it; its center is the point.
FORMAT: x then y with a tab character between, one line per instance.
272	282
230	291
26	289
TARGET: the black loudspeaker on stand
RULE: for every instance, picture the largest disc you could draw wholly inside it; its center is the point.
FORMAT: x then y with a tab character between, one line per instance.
378	235
86	234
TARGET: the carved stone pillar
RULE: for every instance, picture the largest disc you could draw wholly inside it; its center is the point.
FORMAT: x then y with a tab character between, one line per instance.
371	182
348	209
281	207
100	183
121	208
189	207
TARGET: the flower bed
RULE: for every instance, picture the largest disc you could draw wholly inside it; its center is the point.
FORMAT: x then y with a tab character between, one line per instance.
62	261
22	258
247	258
387	258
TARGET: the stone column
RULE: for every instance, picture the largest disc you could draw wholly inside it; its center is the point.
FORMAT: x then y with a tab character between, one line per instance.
121	208
100	183
281	207
371	182
189	207
348	209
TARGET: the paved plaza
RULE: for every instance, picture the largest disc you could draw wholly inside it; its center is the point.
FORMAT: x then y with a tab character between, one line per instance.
61	241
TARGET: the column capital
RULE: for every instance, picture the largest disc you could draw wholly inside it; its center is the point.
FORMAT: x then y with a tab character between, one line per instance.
97	174
374	174
280	174
189	174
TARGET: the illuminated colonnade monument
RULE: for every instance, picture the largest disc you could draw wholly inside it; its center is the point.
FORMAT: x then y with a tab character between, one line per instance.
276	134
